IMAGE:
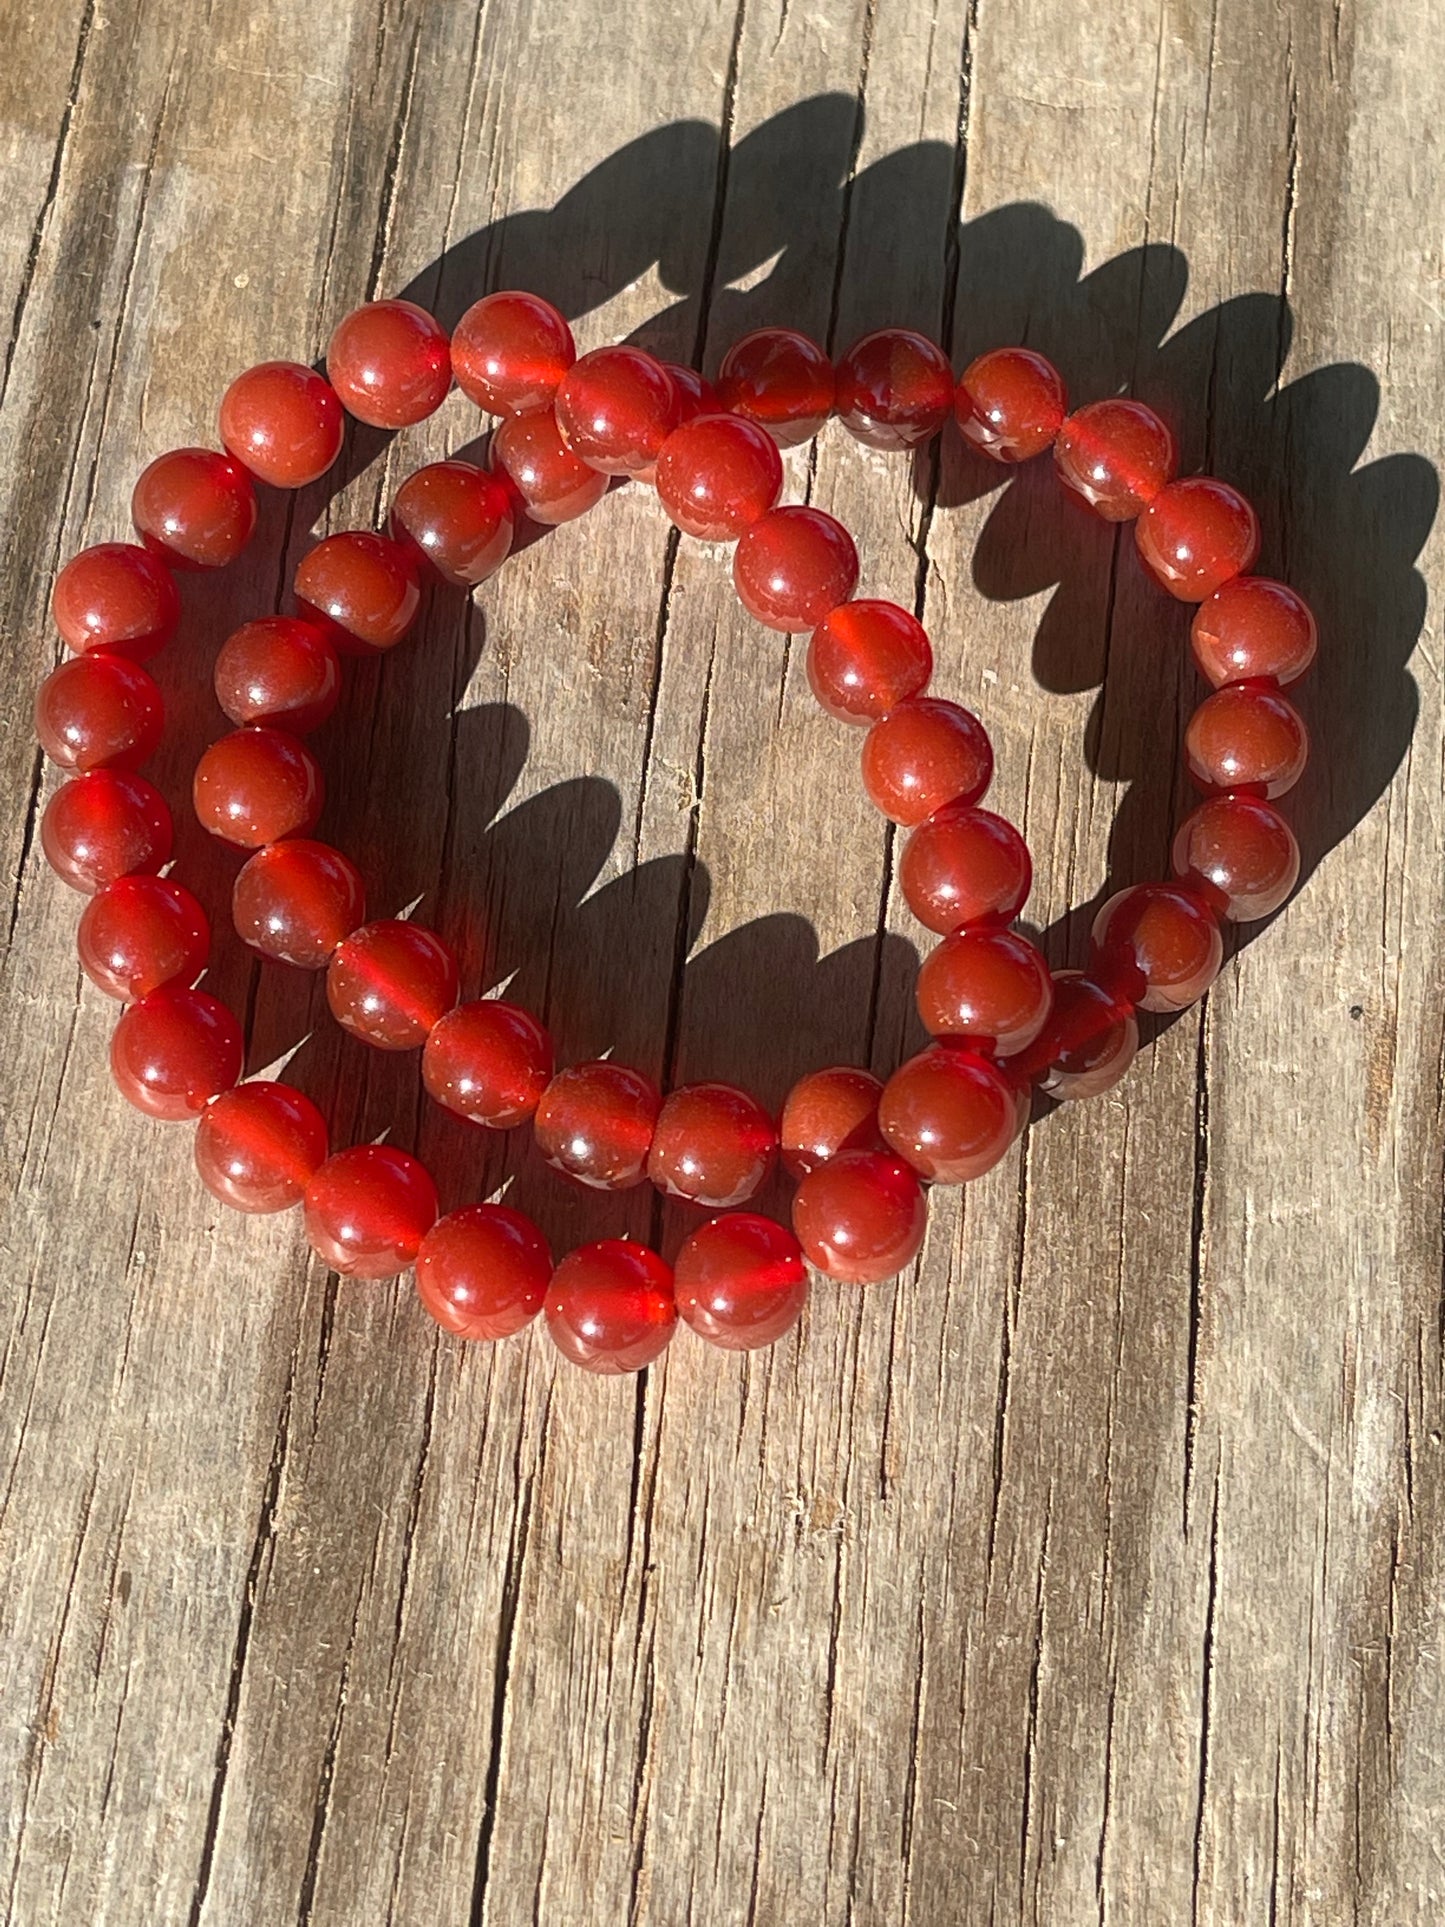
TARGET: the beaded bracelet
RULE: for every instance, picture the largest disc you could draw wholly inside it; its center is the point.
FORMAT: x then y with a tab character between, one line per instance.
861	1151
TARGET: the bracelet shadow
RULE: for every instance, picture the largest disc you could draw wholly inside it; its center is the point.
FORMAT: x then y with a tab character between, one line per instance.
779	230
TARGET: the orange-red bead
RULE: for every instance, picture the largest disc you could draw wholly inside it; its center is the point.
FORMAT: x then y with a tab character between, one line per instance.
106	824
390	363
1010	404
1247	736
458	517
780	379
284	422
389	982
174	1050
860	1217
826	1112
712	1144
257	1146
366	584
551	484
610	1306
295	901
925	753
489	1061
367	1210
616	407
893	389
964	865
509	352
99	711
1087	1044
1240	854
949	1113
1157	945
116	596
1253	629
986	986
865	658
1117	454
279	670
1196	535
717	474
141	932
739	1281
793	567
257	785
482	1272
193	508
595	1122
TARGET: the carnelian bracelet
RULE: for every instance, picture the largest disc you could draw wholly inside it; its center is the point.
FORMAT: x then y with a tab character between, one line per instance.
860	1150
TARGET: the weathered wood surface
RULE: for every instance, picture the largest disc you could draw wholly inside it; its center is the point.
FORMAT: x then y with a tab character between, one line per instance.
1091	1574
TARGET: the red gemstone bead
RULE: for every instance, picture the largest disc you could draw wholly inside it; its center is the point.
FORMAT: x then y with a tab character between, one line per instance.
780	379
739	1281
717	475
141	932
1240	854
366	584
109	823
257	785
616	407
1158	946
552	484
280	670
793	566
509	352
925	753
295	901
712	1144
986	986
284	422
482	1272
949	1113
390	363
1253	629
1247	736
99	711
595	1122
860	1217
610	1306
1010	404
865	658
1196	535
489	1061
458	517
116	596
827	1112
894	388
195	509
174	1050
1088	1043
695	393
258	1145
368	1209
1117	454
389	982
964	865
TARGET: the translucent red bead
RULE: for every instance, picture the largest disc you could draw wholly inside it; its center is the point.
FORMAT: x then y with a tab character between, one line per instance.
1088	1042
456	517
925	753
141	932
712	1144
365	584
1247	736
510	351
99	711
295	901
194	508
717	475
483	1271
173	1050
740	1282
116	596
865	658
1010	404
950	1113
1253	629
1240	854
389	982
610	1306
860	1217
1196	535
893	389
826	1112
256	785
367	1210
1157	946
278	670
793	566
390	363
964	865
489	1061
106	824
551	484
284	422
257	1146
616	407
986	986
595	1122
1117	454
780	379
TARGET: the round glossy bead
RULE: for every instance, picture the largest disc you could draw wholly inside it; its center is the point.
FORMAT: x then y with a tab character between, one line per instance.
284	422
964	865
279	670
390	363
1010	404
893	389
174	1050
695	393
389	982
1240	854
295	901
860	1217
1087	1045
793	566
780	379
116	596
194	508
139	933
509	352
99	711
366	584
616	407
257	785
712	1144
985	986
552	485
1196	535
1117	454
1158	946
109	823
739	1281
482	1272
949	1113
1247	736
458	517
865	658
258	1145
827	1112
610	1306
717	475
925	753
489	1061
1254	629
595	1122
367	1210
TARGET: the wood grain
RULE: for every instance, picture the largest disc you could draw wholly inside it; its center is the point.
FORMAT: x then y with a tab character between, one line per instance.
1093	1572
